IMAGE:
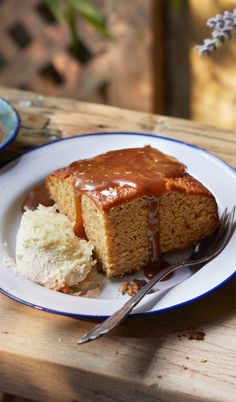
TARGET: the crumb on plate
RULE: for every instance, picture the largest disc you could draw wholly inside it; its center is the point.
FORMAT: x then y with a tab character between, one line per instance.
131	288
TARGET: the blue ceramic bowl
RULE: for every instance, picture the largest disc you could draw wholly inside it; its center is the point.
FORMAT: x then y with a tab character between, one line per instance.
9	123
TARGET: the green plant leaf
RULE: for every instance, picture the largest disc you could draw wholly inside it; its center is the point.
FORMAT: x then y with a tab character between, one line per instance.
93	16
72	24
57	10
87	9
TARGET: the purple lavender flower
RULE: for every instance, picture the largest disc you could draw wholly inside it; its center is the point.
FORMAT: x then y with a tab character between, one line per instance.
224	27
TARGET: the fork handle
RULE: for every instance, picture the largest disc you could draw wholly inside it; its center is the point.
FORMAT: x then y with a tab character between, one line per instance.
227	229
116	318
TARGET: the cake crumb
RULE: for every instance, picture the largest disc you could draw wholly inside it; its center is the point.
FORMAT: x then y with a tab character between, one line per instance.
59	339
203	360
131	288
194	334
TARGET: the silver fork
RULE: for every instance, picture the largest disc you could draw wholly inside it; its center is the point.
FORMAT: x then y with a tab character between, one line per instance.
204	252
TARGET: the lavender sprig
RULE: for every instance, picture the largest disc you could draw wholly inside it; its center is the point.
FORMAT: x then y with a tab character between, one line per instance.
224	27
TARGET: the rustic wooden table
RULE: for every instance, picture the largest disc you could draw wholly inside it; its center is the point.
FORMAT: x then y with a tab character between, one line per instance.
145	359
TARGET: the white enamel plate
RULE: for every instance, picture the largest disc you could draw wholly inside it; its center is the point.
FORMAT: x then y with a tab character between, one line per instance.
19	176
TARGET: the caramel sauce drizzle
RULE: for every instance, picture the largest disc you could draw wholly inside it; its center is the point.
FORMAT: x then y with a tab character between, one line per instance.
117	176
38	195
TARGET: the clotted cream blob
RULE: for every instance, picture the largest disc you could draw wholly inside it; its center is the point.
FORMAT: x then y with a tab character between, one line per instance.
48	252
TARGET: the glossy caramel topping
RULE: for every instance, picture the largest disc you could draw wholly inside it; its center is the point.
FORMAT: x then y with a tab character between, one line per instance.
156	265
141	169
38	195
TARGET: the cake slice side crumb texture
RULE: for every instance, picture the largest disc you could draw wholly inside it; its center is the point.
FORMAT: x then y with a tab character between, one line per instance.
187	213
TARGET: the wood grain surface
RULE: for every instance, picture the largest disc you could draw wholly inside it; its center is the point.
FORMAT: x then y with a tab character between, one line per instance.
146	359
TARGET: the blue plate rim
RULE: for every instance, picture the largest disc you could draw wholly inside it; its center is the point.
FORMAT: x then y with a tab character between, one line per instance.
15	131
146	313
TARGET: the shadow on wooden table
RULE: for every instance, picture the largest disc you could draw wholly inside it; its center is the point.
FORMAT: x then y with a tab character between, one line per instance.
210	312
141	348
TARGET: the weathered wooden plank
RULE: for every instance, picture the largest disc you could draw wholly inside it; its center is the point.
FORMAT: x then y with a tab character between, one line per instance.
144	358
66	117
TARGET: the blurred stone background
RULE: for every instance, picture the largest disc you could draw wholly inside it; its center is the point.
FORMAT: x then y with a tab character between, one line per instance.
152	65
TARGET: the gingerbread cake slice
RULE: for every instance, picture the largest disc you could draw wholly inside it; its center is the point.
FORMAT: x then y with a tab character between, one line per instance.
133	204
